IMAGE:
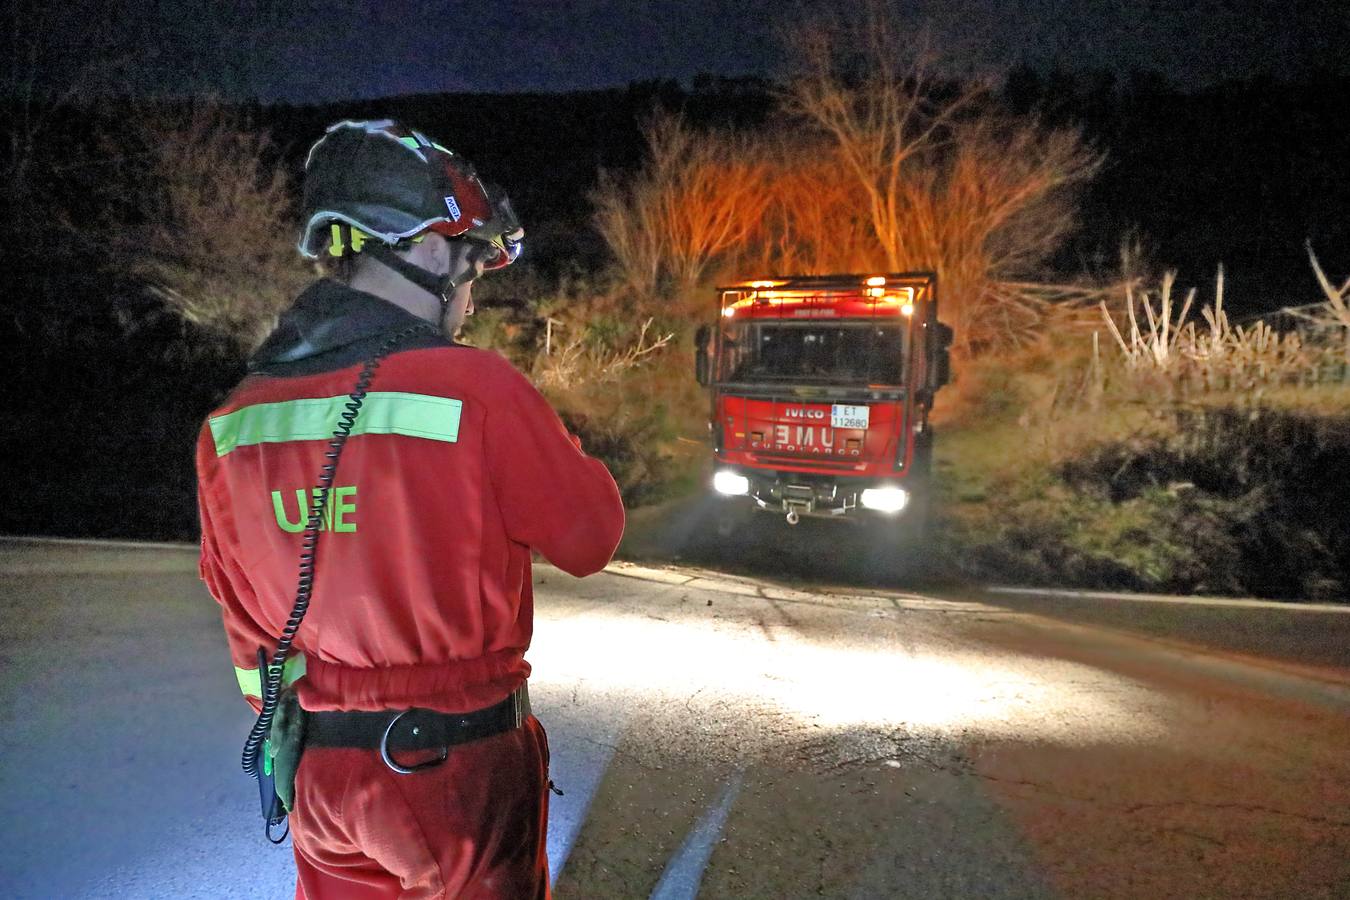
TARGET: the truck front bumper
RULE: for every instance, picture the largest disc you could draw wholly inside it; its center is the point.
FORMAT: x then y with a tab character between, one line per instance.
825	496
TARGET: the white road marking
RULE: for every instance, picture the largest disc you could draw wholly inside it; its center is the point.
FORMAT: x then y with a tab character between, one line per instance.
684	872
577	768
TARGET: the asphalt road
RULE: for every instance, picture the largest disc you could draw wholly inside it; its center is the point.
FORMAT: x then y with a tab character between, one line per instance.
727	736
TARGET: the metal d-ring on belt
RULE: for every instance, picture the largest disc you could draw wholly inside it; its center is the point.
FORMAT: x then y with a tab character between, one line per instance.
392	731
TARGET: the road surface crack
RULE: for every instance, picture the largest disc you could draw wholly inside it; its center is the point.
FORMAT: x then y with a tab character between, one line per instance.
1186	832
764	628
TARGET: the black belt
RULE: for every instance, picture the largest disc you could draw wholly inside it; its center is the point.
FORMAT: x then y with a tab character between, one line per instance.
414	729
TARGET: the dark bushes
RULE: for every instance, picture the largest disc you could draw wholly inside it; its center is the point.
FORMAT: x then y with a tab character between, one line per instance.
1259	500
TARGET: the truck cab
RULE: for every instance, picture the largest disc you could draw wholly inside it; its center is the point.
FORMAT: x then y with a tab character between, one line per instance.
820	389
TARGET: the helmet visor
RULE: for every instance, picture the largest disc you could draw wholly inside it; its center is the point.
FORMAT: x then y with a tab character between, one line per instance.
502	250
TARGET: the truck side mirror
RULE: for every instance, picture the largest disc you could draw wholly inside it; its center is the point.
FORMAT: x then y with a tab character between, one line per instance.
702	370
940	362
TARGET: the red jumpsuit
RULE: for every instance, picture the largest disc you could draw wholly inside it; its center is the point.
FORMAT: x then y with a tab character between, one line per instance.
456	470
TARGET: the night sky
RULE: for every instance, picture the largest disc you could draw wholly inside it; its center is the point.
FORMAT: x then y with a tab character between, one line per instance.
317	51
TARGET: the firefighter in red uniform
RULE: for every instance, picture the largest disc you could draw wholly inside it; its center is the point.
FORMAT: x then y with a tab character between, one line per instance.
423	772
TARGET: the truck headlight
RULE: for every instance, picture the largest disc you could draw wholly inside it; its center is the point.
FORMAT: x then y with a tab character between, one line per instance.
888	499
727	482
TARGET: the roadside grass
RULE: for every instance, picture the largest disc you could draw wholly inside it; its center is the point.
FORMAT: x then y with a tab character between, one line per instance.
638	424
1058	467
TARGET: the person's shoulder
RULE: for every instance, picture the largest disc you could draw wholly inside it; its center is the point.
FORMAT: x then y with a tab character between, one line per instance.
479	370
491	363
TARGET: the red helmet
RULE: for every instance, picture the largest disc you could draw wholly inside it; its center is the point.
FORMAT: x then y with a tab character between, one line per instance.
382	180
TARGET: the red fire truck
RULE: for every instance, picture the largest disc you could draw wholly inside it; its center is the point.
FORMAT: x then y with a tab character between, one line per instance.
820	392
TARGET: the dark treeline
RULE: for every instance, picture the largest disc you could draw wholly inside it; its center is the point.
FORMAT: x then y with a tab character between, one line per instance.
106	394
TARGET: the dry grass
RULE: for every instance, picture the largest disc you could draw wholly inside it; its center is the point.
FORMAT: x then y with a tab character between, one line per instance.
1336	308
582	364
1012	417
1207	461
1329	321
610	364
1165	348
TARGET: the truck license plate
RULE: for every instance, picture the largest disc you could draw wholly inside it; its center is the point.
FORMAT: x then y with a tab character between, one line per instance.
842	416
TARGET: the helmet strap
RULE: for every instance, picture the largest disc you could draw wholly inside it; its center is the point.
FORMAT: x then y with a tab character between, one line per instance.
440	286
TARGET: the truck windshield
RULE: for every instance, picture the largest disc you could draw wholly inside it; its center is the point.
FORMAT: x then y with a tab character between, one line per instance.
812	352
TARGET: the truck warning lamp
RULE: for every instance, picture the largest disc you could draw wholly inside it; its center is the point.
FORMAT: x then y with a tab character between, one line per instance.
876	281
903	298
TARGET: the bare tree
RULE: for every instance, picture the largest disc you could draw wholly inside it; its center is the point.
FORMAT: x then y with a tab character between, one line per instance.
698	197
876	164
813	221
874	94
944	181
627	218
213	233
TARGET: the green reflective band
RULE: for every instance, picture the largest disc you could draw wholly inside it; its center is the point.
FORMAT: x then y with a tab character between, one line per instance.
250	682
315	419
